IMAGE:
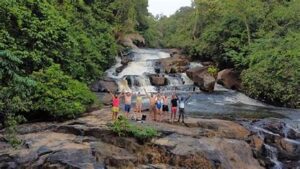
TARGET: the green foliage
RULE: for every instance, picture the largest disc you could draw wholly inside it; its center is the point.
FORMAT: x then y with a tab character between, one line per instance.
10	134
15	88
72	34
213	71
259	38
143	133
131	15
60	95
123	128
274	73
45	45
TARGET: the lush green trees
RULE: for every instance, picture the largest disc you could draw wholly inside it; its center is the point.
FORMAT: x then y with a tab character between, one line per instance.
51	50
59	95
257	37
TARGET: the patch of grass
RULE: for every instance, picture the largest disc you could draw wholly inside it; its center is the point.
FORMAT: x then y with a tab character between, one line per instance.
122	127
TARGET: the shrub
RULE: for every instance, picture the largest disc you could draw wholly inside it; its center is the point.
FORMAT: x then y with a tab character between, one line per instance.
10	133
213	71
123	128
60	95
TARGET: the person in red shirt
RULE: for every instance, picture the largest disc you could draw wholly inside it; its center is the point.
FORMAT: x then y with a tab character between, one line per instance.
115	105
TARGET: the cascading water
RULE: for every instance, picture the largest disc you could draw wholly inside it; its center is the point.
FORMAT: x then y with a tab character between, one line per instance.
272	153
135	77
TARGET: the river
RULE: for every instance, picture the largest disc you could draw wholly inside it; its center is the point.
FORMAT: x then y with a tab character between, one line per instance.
222	102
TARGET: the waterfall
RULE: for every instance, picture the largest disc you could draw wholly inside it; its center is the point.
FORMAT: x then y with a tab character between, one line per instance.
135	78
272	153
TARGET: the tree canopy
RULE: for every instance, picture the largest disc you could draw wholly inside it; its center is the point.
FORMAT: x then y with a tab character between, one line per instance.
50	50
257	37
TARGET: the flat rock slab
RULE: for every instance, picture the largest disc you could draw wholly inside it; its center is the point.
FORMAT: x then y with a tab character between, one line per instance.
221	152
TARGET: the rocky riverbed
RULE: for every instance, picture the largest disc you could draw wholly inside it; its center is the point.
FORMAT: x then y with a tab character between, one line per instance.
87	142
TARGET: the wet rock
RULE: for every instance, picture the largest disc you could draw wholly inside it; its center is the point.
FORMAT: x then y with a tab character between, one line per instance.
208	63
288	149
202	78
104	85
256	143
157	80
175	64
229	79
120	69
210	152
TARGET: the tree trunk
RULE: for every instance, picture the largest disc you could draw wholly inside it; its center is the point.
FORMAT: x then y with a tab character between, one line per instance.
248	30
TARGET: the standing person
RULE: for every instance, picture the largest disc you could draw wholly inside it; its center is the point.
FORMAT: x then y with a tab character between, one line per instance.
138	105
127	98
115	105
182	103
174	105
152	107
158	105
165	105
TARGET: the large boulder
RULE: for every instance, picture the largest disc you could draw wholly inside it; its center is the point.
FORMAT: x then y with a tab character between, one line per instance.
104	85
157	80
175	64
209	152
288	149
202	78
229	79
106	99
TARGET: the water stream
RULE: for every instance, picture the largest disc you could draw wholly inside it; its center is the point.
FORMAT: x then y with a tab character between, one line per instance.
219	103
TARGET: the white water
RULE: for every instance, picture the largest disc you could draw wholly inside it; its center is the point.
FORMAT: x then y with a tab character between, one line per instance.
272	154
221	101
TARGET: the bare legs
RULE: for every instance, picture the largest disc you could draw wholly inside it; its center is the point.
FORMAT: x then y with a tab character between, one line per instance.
114	116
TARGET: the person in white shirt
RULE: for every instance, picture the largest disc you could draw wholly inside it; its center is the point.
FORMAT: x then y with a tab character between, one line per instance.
182	102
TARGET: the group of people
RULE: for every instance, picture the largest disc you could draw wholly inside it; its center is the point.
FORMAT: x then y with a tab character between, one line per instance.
159	105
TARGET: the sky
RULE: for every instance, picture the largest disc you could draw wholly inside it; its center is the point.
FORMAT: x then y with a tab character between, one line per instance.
166	7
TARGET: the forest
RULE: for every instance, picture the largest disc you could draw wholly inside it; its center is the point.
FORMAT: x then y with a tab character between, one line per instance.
50	51
258	38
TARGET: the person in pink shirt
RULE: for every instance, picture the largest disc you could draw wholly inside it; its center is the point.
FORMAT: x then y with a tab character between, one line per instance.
115	105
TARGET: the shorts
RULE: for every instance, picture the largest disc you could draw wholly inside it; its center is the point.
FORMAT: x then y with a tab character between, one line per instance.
174	109
165	108
127	107
115	109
